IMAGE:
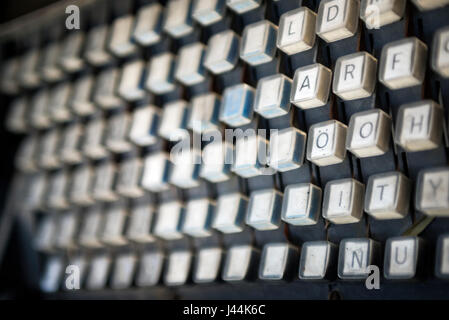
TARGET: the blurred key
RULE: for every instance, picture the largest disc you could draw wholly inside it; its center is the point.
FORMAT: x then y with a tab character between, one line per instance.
128	178
425	5
278	261
355	76
80	100
207	265
343	201
28	76
337	19
51	279
258	43
25	158
317	260
141	220
222	52
155	172
104	183
113	232
16	120
264	209
178	268
237	105
296	31
204	113
49	149
120	43
403	63
46	233
160	78
99	270
230	212
35	191
419	126
70	151
185	170
40	113
190	69
442	257
326	143
58	102
95	131
150	268
198	217
301	205
388	195
354	257
240	263
216	161
178	18
440	52
9	75
311	86
58	189
93	220
67	228
105	89
125	264
287	149
49	68
71	49
147	30
81	187
431	191
242	6
130	84
403	257
169	220
377	14
117	132
144	125
207	12
95	52
369	133
273	96
250	156
174	121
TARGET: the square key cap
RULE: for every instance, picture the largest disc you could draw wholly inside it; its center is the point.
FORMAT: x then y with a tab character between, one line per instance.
185	170
403	257
141	220
160	79
277	261
264	209
237	105
130	84
440	52
124	267
120	43
205	109
174	120
230	213
178	18
150	268
258	43
317	260
432	189
250	156
287	149
190	69
301	205
240	263
354	257
115	216
222	52
178	268
216	161
145	120
169	220
377	14
100	267
207	12
155	172
273	96
425	5
207	266
147	30
242	6
198	217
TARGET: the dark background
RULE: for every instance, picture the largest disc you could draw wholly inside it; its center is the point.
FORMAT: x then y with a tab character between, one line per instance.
10	9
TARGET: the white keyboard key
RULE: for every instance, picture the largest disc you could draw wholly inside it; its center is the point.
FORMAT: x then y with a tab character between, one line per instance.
287	149
216	161
343	201
403	63
277	262
150	269
160	78
125	264
316	260
9	75
169	220
147	30
402	255
425	5
207	12
242	6
207	265
71	49
264	209
185	170
442	257
326	143
258	43
105	91
337	19
113	232
89	236
311	86
99	271
355	76
58	102
178	20
46	233
70	151
35	191
57	190
250	156
67	227
48	64
380	13
25	159
155	172
48	149
230	213
302	204
178	269
297	31
81	187
237	105
28	76
80	100
129	87
103	189
190	69
369	133
96	53
273	96
144	124
354	257
419	126
222	52
198	217
239	264
95	131
141	220
440	52
174	121
120	43
16	120
388	195
40	113
204	113
51	279
431	192
128	178
117	132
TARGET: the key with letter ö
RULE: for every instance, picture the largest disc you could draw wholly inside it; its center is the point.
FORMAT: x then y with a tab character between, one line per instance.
326	143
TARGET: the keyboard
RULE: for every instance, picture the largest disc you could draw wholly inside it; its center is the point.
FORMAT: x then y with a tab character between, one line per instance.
238	149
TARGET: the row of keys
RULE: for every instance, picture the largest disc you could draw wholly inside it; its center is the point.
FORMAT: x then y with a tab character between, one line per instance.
317	260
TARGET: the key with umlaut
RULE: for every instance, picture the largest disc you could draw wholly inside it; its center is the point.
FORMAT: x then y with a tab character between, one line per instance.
242	6
198	217
377	14
301	205
278	261
124	267
207	265
178	268
354	257
237	105
311	85
432	191
369	133
317	260
388	195
419	126
326	143
145	120
230	212
190	69
355	76
169	220
240	263
273	96
287	149
178	18
343	201
147	30
403	258
296	31
222	52
264	209
403	63
337	19
160	79
207	12
440	52
258	43
442	257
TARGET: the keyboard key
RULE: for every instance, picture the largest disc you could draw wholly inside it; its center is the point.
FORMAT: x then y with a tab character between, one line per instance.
208	265
326	143
311	86
114	224
442	257
230	213
301	205
120	43
67	227
16	120
145	120
207	12
287	149
419	126
431	191
369	133
129	178
178	269
178	19
95	131
198	217
250	156
80	100
48	67
48	148
216	161
237	105
204	113
117	132
169	220
9	75
70	57
440	52
242	6
51	279
278	261
104	183
34	193
190	69
317	260
160	78
105	91
57	190
28	76
222	52
93	220
402	257
81	187
388	195
147	30
70	151
403	63
99	271
174	121
264	209
141	220
96	53
258	43
46	232
58	102
377	14
297	31
155	172
129	87
355	76
343	201
40	113
273	96
240	263
185	170
150	268
337	19
25	159
425	5
354	257
124	268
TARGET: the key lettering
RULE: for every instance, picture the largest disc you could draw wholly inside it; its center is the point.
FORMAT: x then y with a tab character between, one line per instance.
323	141
357	255
366	129
349	69
332	10
396	256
